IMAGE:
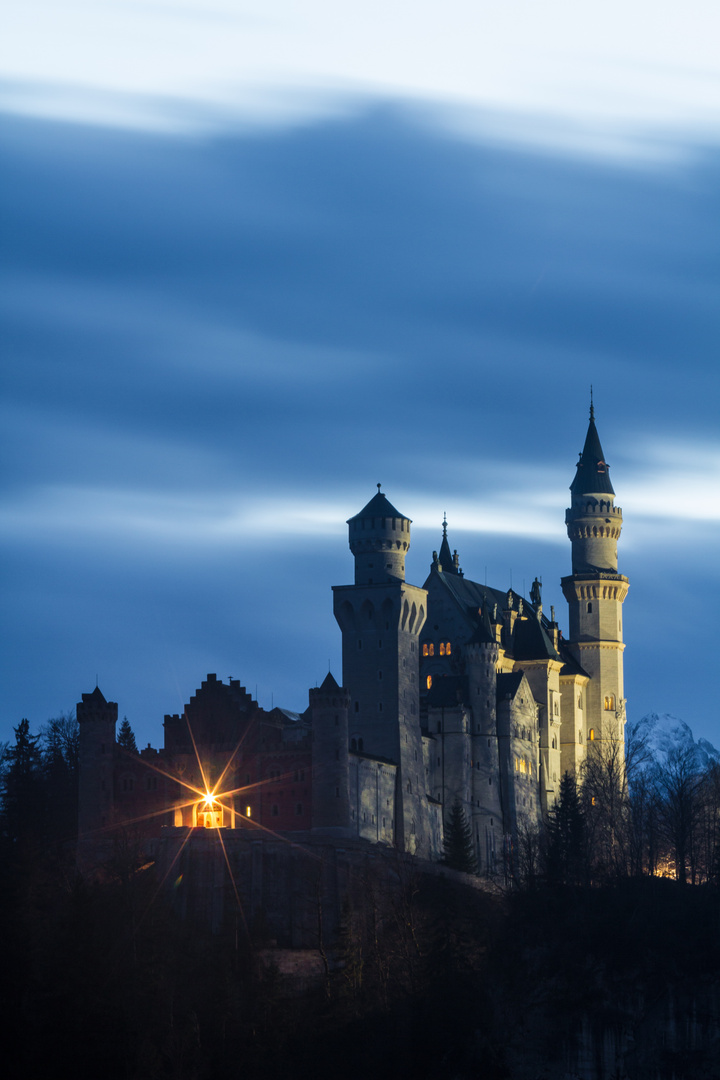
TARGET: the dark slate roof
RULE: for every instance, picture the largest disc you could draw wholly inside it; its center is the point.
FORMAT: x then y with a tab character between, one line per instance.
483	631
508	684
570	664
592	476
96	696
530	639
379	506
531	642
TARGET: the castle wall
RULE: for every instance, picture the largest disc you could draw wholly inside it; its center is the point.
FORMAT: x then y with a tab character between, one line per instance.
573	741
373	786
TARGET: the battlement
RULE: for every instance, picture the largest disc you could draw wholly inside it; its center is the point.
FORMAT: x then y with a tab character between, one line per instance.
584	504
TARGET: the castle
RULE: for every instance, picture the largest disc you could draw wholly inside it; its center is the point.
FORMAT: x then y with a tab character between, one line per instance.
452	693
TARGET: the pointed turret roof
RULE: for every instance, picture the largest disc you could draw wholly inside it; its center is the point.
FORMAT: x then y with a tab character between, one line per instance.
379	506
445	557
592	476
329	685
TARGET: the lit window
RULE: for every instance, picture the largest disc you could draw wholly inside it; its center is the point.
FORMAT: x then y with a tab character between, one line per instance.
591	734
425	651
248	811
609	702
442	648
448	650
431	650
429	681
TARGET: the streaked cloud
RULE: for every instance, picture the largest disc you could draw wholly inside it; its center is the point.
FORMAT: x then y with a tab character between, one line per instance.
651	64
216	345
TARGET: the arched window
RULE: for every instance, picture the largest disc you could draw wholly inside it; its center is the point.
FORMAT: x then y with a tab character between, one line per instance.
429	681
591	734
431	650
609	703
589	609
425	650
442	648
448	649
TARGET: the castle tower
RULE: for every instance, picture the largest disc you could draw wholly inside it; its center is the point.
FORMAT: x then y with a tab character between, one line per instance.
381	617
486	814
595	591
331	805
96	720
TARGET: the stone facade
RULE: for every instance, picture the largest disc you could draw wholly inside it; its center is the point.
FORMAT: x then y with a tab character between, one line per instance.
453	692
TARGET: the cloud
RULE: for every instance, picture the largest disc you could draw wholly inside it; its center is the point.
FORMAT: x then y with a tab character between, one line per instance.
216	346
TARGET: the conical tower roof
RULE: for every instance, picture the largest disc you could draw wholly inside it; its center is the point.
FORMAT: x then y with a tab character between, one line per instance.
592	476
378	507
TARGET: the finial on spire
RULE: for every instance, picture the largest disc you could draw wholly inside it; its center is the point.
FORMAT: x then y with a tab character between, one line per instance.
378	487
592	407
444	524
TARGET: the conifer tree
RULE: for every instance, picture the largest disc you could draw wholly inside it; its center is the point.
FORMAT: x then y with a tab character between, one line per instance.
459	851
567	848
126	737
22	788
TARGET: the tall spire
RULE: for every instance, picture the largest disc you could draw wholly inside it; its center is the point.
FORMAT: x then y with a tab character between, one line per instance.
592	476
449	561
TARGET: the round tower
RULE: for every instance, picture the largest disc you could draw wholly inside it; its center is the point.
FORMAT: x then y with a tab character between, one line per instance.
486	816
379	538
96	722
593	521
595	591
330	784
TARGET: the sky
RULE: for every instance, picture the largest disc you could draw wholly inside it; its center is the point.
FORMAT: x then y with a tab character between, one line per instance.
257	259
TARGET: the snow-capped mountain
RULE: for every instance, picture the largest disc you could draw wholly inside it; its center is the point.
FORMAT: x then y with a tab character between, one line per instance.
662	733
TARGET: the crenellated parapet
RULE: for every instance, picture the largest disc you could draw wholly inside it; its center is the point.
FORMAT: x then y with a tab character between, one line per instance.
597	586
379	538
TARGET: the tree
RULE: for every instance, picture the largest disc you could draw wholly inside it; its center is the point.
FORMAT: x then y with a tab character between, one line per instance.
126	737
459	850
60	740
567	855
22	789
680	785
605	802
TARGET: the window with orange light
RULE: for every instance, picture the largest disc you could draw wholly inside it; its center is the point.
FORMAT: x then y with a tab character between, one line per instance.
429	681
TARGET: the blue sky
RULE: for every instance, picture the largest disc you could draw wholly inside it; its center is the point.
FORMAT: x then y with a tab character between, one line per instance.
256	261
